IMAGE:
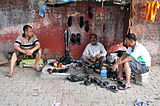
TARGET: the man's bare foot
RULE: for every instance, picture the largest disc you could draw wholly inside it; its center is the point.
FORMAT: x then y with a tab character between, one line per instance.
9	74
37	68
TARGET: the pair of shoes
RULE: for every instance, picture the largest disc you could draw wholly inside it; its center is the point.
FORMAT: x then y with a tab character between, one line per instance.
124	86
75	78
9	74
100	83
112	88
76	39
104	84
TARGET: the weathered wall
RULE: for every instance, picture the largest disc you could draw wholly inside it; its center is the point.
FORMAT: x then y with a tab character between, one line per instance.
148	32
14	14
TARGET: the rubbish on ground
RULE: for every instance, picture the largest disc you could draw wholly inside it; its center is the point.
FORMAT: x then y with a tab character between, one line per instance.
140	102
158	98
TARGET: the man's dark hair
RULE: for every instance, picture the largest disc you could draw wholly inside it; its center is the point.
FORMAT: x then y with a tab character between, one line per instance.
94	35
25	28
131	36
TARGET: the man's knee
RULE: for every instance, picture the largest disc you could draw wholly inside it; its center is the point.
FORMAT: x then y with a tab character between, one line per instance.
39	53
14	55
84	58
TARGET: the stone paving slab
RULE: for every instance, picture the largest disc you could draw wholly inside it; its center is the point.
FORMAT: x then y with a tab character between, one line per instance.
30	88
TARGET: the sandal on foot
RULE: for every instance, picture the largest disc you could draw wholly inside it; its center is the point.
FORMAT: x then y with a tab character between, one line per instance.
9	74
116	79
124	86
112	88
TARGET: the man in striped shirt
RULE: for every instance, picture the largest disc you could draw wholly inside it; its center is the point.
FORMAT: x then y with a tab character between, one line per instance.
26	46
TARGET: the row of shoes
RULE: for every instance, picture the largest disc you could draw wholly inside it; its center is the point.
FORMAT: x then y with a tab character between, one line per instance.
89	80
81	20
75	78
76	39
50	71
81	23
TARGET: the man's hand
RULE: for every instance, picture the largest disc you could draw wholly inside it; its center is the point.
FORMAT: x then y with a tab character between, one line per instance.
92	59
98	56
114	67
30	52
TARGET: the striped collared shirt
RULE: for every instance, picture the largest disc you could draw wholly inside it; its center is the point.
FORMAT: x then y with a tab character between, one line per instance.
25	43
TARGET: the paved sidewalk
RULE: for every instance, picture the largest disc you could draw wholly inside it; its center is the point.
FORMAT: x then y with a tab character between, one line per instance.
30	88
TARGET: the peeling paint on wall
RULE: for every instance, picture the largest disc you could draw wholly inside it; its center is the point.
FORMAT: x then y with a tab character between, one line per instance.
49	29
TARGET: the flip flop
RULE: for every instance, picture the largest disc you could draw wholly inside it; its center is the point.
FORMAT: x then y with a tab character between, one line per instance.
112	88
124	86
9	74
116	79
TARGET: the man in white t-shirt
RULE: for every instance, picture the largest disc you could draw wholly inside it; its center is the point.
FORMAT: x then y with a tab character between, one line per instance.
136	58
94	51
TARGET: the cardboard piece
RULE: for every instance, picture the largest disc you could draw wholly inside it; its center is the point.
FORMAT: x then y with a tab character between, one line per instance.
3	59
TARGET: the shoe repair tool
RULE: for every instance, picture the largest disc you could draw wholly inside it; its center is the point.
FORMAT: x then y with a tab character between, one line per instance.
66	59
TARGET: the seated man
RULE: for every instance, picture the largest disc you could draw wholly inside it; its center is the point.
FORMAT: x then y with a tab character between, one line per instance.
26	45
114	52
94	51
136	58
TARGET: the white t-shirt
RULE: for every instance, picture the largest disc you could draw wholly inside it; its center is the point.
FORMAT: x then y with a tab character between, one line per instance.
139	53
93	50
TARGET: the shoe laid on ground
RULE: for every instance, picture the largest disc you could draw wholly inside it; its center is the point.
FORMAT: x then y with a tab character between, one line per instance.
104	84
112	88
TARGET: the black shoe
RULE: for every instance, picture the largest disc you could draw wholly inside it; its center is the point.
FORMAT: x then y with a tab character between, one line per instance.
90	14
104	84
86	26
97	81
69	21
72	78
78	39
73	39
81	21
88	81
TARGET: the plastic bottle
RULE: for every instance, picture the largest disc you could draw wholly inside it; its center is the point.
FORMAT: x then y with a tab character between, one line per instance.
103	73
